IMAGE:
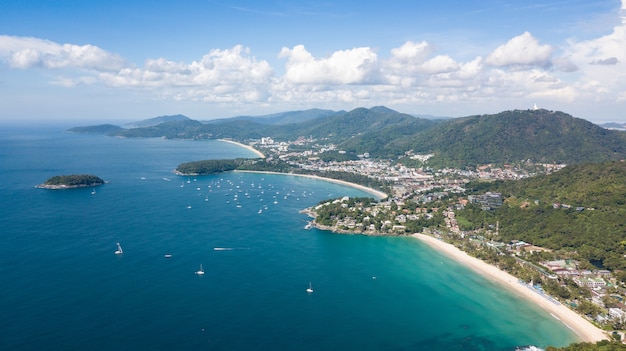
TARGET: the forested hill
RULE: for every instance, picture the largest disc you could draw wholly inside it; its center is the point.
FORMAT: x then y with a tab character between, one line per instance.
361	122
335	127
580	206
282	117
507	137
514	136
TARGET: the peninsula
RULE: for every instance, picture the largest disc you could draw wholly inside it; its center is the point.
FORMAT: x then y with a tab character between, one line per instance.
71	181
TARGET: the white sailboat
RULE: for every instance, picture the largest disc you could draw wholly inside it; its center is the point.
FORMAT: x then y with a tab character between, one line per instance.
119	250
310	288
201	271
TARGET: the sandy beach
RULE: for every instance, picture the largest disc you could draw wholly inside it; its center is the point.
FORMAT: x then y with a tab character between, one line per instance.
259	153
582	327
378	194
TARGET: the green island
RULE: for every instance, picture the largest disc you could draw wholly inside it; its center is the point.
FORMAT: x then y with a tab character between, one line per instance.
71	181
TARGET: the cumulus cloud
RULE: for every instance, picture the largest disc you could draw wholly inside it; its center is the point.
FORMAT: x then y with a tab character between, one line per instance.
523	51
413	73
410	56
354	66
26	52
229	75
219	68
439	64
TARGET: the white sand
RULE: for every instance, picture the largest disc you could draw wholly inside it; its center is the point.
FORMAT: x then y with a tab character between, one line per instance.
259	153
582	327
378	194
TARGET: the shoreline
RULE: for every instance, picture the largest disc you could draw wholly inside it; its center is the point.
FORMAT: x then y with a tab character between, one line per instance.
64	186
259	153
584	329
378	194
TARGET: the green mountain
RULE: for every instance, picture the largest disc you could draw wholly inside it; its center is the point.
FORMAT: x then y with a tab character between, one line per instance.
514	136
178	129
580	206
357	123
281	118
507	137
381	128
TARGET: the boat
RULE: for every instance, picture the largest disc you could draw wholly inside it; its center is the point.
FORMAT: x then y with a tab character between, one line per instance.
201	271
93	192
119	250
168	256
310	288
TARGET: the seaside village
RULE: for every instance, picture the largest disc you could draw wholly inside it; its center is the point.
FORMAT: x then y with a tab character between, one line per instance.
415	205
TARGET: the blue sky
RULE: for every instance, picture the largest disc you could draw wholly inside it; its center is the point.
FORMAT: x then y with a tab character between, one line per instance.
129	60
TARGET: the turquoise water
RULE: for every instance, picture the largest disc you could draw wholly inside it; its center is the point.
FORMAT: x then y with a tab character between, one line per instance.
63	288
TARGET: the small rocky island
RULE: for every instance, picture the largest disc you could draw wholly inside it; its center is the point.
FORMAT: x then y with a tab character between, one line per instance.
71	181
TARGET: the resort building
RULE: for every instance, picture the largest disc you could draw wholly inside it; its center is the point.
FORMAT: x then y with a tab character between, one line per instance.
590	282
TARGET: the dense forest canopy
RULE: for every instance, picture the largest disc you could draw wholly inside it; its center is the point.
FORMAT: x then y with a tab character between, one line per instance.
206	167
579	208
73	180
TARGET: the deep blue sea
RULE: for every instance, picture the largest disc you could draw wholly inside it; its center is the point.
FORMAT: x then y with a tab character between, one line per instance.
62	287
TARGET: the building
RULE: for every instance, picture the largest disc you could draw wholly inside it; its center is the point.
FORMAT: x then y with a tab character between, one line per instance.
488	201
590	282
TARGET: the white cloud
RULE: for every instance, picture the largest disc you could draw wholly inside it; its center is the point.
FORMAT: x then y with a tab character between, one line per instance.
439	64
26	52
229	75
354	66
414	74
521	51
601	75
410	56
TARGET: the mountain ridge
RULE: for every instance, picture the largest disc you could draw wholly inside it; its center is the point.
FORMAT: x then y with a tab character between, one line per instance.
512	136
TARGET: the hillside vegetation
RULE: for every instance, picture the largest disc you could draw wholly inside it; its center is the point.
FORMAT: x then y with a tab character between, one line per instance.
579	208
539	136
515	136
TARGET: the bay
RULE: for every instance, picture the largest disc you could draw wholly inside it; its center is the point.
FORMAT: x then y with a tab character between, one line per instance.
63	287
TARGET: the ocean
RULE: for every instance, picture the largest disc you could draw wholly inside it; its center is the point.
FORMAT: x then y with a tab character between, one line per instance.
62	287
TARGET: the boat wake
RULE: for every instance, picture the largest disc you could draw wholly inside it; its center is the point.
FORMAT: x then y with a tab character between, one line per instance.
230	248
